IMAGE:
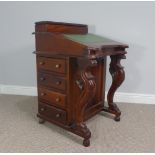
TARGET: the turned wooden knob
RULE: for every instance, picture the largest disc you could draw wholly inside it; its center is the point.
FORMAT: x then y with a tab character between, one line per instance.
42	78
57	115
58	82
57	99
57	66
42	109
42	94
41	63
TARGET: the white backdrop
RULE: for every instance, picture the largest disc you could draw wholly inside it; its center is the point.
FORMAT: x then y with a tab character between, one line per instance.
129	22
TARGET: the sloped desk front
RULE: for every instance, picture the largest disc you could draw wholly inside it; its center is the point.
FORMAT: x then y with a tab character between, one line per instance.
71	75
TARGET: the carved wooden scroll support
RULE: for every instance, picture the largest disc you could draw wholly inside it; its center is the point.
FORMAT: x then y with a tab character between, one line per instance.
87	86
118	76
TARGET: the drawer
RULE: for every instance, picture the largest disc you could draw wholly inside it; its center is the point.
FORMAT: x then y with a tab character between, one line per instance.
51	64
52	112
51	81
52	97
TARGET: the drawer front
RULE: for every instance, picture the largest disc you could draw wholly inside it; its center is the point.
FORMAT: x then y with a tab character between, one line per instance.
52	97
52	112
51	64
51	81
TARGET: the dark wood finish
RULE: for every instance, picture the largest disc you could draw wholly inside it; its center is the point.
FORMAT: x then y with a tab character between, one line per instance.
118	76
52	97
49	64
58	27
57	44
52	112
71	76
51	81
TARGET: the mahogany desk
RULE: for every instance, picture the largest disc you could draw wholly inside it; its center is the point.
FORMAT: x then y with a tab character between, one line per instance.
71	73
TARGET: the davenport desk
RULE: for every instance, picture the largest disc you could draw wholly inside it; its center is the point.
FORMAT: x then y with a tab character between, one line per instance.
71	73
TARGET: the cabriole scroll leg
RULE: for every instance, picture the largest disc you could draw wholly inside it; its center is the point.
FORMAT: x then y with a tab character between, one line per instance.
87	93
118	76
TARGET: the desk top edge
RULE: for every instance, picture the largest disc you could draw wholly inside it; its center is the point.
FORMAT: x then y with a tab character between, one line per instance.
94	40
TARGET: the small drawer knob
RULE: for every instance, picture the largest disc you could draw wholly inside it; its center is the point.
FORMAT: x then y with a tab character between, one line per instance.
57	66
57	115
57	99
41	63
58	82
43	94
42	78
42	109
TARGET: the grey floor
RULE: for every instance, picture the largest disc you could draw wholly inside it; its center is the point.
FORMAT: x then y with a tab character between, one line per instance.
20	131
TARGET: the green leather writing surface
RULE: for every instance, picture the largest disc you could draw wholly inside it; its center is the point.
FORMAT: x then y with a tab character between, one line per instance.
87	38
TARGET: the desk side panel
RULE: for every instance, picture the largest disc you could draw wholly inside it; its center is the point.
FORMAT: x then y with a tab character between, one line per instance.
58	45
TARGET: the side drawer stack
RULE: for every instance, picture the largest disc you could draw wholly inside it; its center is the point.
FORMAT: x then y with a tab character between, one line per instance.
52	86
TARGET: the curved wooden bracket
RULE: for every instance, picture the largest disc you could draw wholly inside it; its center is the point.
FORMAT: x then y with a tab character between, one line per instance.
87	94
118	76
87	86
